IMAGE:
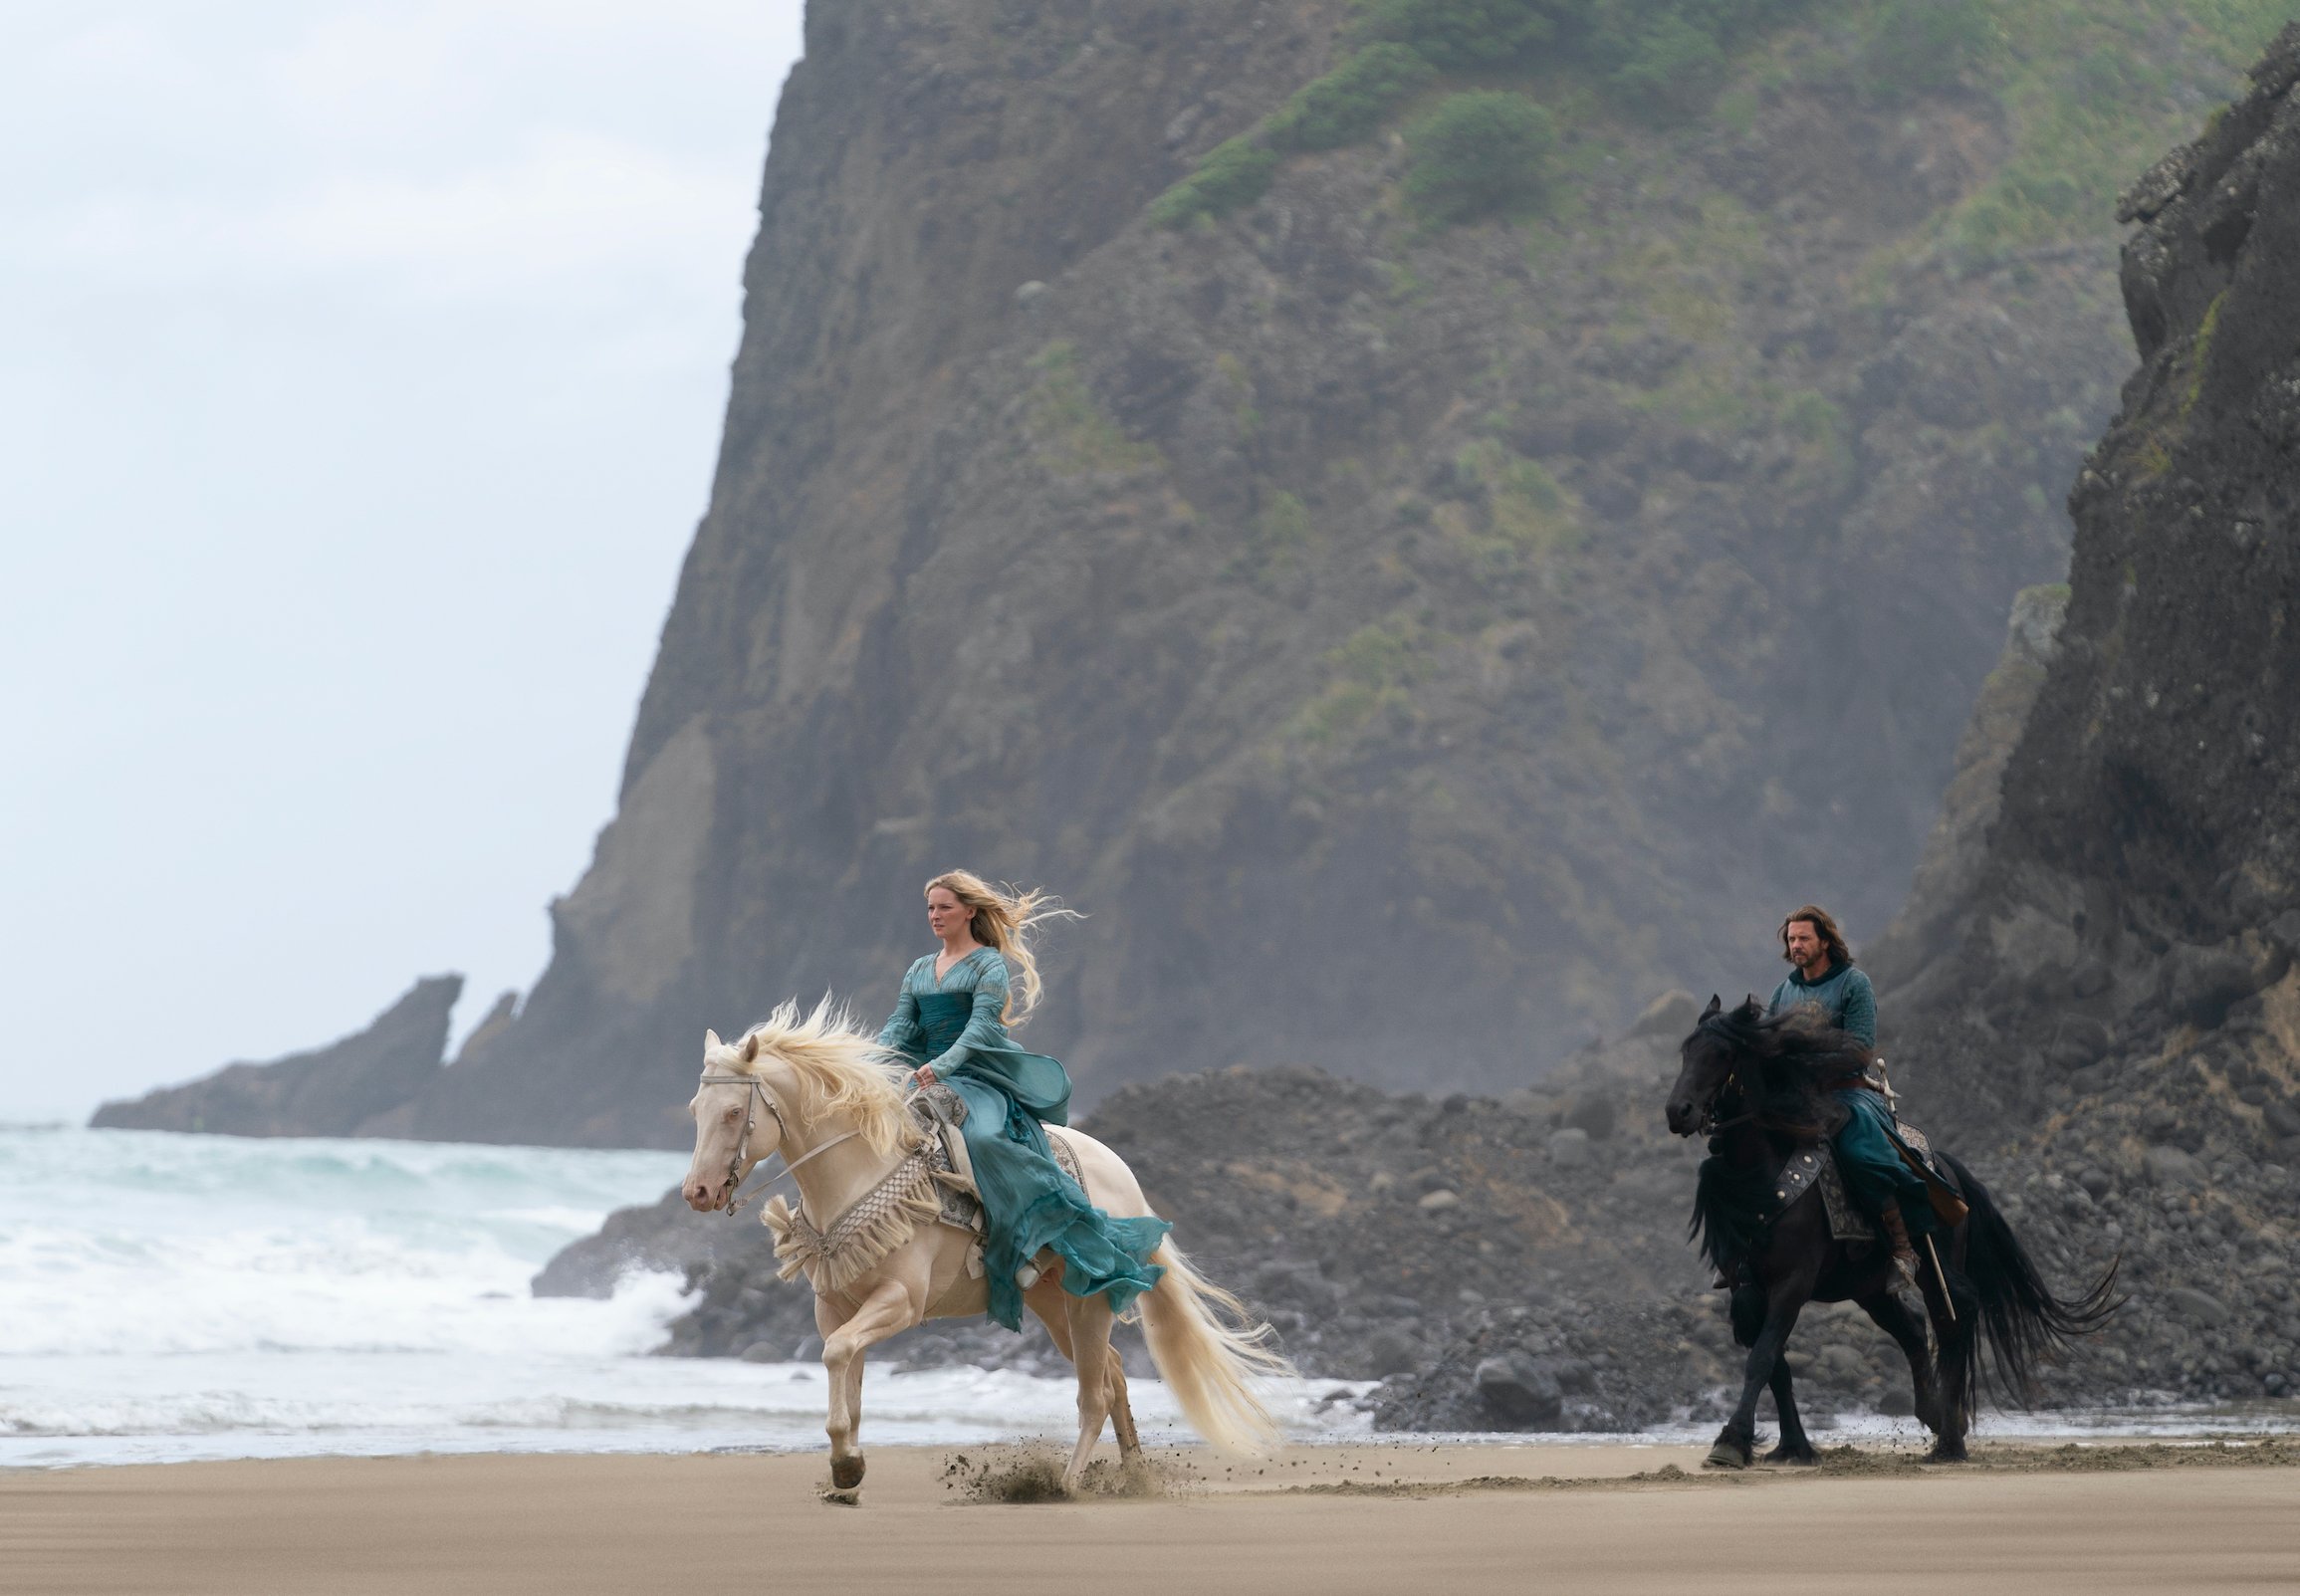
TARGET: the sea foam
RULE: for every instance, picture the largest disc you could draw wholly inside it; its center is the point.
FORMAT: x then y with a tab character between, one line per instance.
168	1298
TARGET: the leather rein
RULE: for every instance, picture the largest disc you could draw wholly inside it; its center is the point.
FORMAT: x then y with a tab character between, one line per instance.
736	1174
1711	1125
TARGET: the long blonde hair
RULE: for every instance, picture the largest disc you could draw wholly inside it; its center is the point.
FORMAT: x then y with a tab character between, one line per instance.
1003	920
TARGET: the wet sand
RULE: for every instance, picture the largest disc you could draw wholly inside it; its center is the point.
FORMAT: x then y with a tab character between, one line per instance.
2035	1519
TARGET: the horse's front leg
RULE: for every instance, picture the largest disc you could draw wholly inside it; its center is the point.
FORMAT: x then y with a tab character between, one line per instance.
885	1308
1794	1445
1786	1293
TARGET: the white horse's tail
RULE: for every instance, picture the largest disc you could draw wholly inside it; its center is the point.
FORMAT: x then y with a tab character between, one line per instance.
1206	1345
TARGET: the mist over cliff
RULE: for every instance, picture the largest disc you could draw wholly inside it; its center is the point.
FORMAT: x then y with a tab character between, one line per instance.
1416	612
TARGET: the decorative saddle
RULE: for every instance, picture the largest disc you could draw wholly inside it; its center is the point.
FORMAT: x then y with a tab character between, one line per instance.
940	1113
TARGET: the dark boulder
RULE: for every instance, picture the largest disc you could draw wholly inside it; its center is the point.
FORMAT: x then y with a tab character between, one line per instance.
1521	1392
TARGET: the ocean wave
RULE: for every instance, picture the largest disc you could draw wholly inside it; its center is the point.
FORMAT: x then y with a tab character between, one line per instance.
209	1243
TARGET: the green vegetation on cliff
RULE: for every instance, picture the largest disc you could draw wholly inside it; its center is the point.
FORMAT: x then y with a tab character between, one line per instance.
1350	103
1657	59
1477	154
2089	90
2093	92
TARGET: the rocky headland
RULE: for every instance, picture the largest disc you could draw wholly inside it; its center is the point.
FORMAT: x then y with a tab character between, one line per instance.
366	1084
1481	474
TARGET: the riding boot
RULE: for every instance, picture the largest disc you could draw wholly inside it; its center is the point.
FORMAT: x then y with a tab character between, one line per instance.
1904	1256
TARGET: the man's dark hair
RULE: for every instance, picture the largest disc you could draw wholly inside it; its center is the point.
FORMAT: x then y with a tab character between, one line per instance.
1825	926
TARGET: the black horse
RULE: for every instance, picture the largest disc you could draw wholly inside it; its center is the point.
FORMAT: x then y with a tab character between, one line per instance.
1757	1085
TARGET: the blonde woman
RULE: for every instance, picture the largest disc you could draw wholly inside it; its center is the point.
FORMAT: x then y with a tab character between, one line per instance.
951	1024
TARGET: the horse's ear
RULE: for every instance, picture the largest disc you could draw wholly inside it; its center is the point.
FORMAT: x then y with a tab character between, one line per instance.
750	1048
1716	1007
711	1042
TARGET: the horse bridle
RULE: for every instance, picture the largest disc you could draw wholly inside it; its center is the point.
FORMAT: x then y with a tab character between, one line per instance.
1710	1123
755	1097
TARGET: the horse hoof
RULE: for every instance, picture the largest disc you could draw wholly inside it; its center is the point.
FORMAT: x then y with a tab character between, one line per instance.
847	1472
1947	1451
1724	1455
842	1498
1805	1458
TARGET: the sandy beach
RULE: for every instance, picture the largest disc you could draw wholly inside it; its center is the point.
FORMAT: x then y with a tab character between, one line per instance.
2033	1519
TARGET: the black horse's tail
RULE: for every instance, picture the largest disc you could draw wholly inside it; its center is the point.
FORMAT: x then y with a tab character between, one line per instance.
2011	1306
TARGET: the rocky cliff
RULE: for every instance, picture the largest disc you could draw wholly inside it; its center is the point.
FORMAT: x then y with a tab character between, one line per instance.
364	1085
2122	1006
1426	521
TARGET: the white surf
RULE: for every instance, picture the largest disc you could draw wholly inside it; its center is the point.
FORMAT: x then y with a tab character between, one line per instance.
168	1298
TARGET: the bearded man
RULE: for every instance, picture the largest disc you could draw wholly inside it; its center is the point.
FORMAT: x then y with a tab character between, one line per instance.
1825	986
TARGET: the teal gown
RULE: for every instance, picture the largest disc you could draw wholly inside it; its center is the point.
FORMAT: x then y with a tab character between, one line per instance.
957	1026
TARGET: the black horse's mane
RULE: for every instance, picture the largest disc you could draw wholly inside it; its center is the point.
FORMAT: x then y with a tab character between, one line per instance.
1782	1064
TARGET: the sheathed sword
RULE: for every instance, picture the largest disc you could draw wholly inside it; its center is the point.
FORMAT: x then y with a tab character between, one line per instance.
1941	1276
1884	1084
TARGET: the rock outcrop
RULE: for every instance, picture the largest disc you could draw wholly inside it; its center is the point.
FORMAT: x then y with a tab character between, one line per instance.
2124	1004
364	1085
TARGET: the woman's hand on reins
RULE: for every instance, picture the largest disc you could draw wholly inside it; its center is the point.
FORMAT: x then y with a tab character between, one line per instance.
923	1075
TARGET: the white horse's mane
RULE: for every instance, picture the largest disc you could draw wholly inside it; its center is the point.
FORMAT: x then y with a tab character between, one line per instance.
842	1071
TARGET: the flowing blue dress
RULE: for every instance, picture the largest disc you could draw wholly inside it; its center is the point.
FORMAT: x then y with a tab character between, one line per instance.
957	1026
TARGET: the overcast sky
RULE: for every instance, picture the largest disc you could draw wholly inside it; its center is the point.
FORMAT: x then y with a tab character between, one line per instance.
360	376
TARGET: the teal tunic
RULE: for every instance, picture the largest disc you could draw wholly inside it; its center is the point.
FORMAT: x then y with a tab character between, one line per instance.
1869	1146
957	1026
1842	1000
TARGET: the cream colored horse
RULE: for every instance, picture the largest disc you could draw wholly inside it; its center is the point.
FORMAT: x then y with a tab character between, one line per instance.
835	1109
